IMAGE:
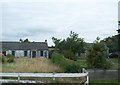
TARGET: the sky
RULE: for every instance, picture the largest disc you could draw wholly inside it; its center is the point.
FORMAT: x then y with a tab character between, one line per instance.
40	20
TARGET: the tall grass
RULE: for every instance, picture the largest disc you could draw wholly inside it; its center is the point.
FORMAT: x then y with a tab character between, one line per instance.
31	65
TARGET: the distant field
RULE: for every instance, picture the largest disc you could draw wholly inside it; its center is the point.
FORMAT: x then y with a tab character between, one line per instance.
30	65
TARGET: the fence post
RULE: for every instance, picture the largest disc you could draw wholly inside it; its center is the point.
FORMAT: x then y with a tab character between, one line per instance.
87	78
18	77
87	82
53	77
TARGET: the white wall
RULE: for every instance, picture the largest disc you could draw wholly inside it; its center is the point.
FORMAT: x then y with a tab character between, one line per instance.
20	53
8	52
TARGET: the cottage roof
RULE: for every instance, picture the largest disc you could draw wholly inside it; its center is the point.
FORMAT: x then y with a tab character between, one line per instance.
24	45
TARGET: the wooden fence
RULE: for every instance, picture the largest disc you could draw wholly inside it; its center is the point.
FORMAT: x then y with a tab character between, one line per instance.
40	75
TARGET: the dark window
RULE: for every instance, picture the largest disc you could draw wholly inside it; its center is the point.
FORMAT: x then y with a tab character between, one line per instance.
33	54
13	53
41	53
4	53
45	54
25	53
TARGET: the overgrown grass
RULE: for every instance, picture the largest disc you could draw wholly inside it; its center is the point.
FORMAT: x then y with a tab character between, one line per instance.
45	65
82	62
104	82
114	62
58	80
31	65
68	65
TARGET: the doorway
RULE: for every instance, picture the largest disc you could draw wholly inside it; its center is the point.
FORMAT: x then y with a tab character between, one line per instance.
33	54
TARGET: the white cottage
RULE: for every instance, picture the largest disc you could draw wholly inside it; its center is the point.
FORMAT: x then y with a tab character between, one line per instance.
25	49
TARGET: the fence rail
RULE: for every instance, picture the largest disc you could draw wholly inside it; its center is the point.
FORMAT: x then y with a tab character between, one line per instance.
40	75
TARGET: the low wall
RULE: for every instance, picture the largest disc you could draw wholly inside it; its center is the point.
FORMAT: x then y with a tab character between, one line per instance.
102	74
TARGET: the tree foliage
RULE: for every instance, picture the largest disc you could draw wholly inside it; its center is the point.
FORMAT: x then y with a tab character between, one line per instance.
72	44
96	57
112	43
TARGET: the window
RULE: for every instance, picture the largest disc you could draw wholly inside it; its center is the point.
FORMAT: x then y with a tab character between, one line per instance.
13	53
33	54
4	53
25	53
41	53
46	54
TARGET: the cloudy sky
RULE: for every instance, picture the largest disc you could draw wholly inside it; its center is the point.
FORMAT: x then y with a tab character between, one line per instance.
38	20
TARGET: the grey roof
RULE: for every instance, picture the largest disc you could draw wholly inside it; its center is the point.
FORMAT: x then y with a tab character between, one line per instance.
24	45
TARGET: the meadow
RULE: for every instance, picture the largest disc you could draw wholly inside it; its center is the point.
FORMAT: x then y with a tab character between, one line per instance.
43	65
34	65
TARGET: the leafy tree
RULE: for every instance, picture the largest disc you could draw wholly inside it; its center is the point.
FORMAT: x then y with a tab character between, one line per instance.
72	44
56	42
96	57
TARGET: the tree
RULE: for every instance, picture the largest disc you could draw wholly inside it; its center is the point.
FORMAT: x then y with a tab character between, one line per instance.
71	45
56	42
96	57
111	43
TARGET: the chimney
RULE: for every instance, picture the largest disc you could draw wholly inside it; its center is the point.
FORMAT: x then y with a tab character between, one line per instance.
45	41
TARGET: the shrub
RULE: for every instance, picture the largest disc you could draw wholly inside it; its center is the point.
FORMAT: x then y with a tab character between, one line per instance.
69	54
58	59
72	68
107	65
96	57
10	58
2	58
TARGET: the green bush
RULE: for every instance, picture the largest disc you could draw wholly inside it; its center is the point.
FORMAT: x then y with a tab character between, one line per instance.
10	58
68	66
69	54
58	59
2	58
107	65
72	68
